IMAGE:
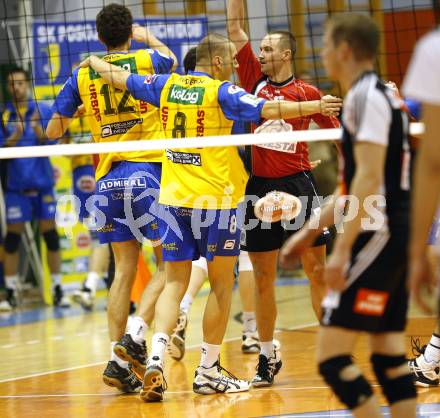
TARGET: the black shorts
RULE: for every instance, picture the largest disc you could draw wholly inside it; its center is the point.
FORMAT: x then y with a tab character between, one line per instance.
258	236
376	299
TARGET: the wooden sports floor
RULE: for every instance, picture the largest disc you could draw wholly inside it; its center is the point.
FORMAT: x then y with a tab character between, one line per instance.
51	364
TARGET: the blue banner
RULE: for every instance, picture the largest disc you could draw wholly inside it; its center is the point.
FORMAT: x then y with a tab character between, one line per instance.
60	46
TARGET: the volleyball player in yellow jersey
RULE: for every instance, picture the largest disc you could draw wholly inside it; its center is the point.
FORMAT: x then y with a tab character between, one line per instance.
201	188
114	115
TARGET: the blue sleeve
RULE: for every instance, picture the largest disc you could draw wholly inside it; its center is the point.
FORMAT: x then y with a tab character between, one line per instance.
414	108
162	64
68	98
239	105
147	88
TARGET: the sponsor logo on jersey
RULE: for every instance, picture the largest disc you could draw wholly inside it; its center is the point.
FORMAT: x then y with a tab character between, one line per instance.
119	184
229	244
150	78
233	89
94	104
182	95
370	302
119	128
184	157
171	246
212	248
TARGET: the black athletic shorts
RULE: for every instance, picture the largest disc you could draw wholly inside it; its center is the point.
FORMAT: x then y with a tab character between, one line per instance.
258	236
376	299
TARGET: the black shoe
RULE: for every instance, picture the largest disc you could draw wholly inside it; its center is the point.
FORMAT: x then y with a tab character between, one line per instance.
134	353
11	297
124	379
267	369
59	299
154	382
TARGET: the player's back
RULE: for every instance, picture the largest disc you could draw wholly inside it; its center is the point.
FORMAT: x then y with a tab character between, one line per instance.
190	108
114	115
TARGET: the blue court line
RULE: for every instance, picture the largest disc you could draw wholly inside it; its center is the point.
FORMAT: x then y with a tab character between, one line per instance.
431	410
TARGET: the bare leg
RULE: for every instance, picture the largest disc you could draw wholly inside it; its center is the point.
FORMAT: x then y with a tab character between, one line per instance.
313	261
265	269
168	304
126	258
153	289
215	318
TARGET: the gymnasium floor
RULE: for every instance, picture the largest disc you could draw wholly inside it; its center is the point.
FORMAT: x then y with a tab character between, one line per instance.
51	364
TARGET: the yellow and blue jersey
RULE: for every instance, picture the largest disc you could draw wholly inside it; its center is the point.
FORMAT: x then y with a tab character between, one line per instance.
113	114
27	173
196	105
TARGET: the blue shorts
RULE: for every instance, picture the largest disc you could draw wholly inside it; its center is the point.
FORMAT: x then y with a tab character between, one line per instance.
126	202
26	206
188	234
83	188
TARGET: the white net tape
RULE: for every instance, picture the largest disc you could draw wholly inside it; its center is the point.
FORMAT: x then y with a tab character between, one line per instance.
416	129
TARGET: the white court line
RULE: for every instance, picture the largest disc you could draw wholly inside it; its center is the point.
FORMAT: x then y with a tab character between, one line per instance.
8	345
32	342
68	369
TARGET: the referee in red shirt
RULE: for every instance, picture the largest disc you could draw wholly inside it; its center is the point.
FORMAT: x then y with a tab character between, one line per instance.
270	75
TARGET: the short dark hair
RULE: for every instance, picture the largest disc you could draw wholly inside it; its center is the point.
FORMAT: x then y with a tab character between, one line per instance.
287	40
189	62
359	31
211	45
18	70
114	25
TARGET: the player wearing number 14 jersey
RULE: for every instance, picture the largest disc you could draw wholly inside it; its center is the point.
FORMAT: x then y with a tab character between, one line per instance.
126	181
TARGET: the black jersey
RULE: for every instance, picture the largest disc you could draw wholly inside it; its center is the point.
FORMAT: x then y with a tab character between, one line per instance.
374	113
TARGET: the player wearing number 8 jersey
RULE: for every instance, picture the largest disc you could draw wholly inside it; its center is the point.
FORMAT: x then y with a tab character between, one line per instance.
201	189
114	115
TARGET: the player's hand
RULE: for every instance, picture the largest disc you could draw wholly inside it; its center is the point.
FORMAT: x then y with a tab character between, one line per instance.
335	272
85	63
421	277
293	248
80	111
140	33
315	163
330	105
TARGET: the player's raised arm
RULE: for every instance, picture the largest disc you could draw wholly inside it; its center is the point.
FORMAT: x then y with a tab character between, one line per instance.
142	34
235	19
116	76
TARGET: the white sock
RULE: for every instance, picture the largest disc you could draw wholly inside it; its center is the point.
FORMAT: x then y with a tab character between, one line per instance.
249	322
210	354
266	348
56	279
159	343
114	357
11	282
92	281
137	329
432	352
186	303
